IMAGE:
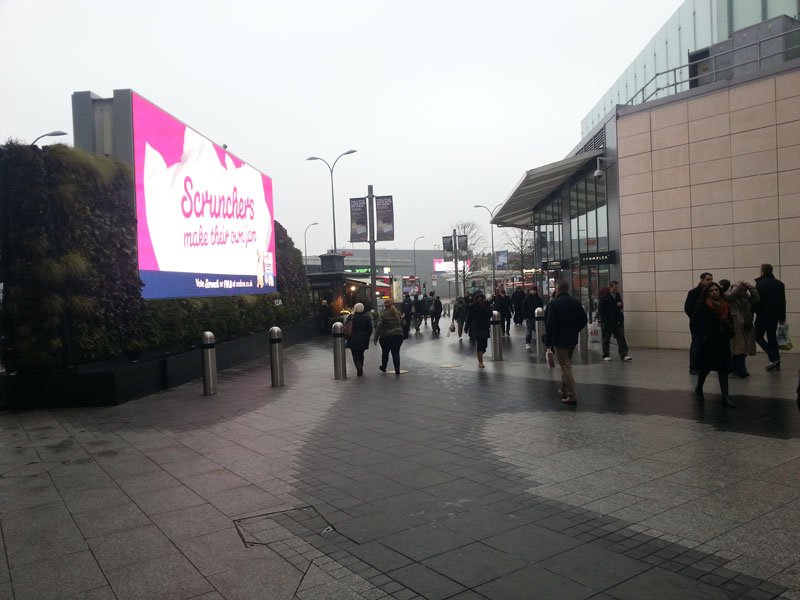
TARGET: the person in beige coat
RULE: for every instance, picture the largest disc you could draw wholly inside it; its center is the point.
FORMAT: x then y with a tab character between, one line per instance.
742	297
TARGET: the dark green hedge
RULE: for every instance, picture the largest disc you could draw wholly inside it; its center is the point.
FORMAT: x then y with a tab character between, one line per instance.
72	293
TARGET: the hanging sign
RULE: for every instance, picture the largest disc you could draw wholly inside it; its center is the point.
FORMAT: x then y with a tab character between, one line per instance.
358	220
384	215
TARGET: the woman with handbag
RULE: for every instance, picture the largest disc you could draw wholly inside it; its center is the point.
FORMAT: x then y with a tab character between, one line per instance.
742	297
711	322
459	316
389	333
360	332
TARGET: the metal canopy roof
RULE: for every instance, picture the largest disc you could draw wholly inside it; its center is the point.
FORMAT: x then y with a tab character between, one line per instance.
535	186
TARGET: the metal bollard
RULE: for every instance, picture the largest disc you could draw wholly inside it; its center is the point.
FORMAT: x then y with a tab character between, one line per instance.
208	351
539	324
276	356
339	360
497	335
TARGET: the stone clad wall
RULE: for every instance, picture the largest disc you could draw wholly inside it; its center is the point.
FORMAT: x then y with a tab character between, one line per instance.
710	183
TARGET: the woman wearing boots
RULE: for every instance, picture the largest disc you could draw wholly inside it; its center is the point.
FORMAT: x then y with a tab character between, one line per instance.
711	323
359	341
742	297
479	317
390	334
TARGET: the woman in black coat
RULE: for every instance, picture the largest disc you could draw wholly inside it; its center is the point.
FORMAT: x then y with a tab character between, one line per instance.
711	322
479	317
359	341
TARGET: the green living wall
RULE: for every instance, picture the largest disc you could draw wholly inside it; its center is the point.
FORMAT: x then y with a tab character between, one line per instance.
71	290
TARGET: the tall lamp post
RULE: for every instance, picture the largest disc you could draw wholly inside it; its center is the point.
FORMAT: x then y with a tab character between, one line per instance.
414	250
333	204
491	234
305	243
49	134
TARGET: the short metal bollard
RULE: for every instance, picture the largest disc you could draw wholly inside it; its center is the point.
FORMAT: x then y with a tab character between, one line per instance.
539	324
339	361
276	356
497	337
208	350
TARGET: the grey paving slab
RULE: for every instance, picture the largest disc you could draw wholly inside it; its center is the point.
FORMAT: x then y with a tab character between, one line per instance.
426	582
425	541
659	583
167	499
533	581
595	567
474	564
124	548
170	576
532	543
58	577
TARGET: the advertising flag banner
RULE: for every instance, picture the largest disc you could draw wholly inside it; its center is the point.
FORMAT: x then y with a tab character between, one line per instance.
447	247
501	259
358	220
463	247
384	217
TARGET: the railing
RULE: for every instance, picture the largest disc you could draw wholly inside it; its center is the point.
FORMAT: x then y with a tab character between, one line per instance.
677	76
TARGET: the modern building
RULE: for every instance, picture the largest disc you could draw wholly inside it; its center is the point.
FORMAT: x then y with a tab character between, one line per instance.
690	162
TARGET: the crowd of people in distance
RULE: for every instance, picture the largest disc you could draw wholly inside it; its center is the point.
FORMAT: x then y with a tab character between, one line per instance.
726	322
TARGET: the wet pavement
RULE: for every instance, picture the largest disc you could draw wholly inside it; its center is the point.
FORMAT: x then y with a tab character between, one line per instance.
448	481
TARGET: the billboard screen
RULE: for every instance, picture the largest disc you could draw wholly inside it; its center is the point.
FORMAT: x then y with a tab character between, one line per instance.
448	266
205	217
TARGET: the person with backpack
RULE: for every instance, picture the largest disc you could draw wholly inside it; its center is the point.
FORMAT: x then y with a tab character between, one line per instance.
389	333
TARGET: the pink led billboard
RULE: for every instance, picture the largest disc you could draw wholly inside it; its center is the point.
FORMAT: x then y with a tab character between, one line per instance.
205	217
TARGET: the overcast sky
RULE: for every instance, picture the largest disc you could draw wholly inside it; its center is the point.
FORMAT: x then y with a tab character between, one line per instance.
447	102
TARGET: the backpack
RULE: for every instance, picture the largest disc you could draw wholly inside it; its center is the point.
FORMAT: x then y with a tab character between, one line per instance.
348	328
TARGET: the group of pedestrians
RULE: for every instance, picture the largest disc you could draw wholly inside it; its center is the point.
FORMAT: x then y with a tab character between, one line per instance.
727	321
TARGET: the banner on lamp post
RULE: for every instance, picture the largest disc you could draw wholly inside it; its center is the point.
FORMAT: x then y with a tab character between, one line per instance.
358	220
501	260
384	215
447	248
463	248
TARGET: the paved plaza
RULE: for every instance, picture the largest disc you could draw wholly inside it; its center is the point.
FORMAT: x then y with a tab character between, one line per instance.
448	481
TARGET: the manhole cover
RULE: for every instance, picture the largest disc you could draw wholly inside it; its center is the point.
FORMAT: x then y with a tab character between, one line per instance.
281	526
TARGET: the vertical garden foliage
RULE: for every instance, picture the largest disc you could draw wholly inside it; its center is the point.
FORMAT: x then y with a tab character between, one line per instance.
68	264
72	289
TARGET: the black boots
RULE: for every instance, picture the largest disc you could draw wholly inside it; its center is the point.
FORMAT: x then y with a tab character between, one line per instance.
698	389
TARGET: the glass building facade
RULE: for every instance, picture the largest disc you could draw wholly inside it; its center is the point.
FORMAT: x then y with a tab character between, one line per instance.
696	24
569	226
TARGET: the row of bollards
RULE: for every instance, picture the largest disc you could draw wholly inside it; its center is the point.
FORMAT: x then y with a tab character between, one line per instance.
497	335
208	353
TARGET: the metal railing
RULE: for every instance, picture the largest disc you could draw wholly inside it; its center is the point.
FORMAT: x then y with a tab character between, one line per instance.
724	66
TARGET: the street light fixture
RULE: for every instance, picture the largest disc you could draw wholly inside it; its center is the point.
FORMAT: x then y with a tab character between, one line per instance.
305	243
414	250
333	204
491	233
50	134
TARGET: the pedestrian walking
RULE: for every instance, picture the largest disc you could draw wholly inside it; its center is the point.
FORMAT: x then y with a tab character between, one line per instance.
389	333
517	300
407	309
359	340
417	312
479	317
436	312
742	298
770	310
612	322
532	301
711	323
564	321
460	315
502	304
426	302
692	299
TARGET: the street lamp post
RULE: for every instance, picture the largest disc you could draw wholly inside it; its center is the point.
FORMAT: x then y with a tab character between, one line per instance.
414	250
333	204
491	234
305	243
49	134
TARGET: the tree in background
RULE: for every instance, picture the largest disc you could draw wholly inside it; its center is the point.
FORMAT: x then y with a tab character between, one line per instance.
475	246
520	243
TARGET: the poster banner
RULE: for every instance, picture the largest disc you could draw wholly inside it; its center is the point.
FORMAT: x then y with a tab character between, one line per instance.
501	259
384	216
447	247
358	220
463	247
447	266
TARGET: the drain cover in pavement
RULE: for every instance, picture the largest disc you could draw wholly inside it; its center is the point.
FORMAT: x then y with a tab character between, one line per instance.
284	525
